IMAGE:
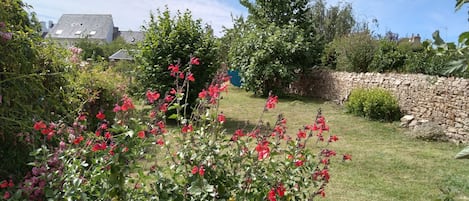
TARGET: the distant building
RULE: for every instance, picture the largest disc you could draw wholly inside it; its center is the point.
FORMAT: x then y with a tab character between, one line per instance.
131	37
72	27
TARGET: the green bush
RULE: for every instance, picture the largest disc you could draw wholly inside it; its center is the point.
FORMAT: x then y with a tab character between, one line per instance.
167	39
375	104
354	52
388	57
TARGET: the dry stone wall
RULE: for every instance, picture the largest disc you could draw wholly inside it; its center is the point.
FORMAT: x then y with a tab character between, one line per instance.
441	100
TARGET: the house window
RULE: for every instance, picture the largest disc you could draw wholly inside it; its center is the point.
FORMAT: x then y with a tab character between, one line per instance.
92	33
58	32
77	32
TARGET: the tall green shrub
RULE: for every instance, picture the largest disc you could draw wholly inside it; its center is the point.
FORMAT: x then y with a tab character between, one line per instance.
354	52
32	79
375	104
388	57
167	39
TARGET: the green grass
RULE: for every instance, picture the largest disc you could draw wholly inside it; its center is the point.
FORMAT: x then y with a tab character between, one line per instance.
386	164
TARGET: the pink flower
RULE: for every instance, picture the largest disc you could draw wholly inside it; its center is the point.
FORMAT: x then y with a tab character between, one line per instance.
7	195
117	108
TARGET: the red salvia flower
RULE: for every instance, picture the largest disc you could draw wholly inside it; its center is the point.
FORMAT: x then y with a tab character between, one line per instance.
347	157
117	108
160	142
190	77
100	115
201	170
271	102
301	134
4	184
195	61
78	140
174	69
203	94
127	105
299	163
221	118
271	195
263	150
187	128
195	169
39	125
7	195
333	138
141	134
281	190
152	96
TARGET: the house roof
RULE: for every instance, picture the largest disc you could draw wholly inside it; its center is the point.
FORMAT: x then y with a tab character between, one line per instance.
96	26
132	37
121	55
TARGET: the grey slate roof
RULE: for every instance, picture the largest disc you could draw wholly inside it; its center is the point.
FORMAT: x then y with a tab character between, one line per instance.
121	55
70	26
132	37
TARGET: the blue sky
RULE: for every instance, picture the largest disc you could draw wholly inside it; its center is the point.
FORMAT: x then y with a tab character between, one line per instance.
405	17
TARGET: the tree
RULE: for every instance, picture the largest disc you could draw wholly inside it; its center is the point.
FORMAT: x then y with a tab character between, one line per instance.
171	40
272	44
32	80
332	22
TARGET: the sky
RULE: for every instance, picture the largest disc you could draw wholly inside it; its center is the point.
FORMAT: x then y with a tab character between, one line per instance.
405	17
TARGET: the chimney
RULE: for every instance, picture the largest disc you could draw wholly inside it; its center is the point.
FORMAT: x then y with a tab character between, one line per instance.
417	38
51	24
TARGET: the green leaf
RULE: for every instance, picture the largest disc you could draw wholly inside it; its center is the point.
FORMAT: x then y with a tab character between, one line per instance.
463	37
459	3
464	154
173	116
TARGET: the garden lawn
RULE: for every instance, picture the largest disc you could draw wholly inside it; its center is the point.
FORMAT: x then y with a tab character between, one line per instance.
386	163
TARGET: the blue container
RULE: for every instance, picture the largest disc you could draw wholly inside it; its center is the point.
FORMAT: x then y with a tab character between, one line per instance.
235	78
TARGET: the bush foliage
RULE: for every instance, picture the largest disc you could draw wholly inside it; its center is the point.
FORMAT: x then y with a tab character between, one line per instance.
375	104
167	38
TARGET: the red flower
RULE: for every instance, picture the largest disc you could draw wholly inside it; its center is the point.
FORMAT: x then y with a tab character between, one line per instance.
103	126
141	134
107	135
99	146
187	128
281	190
39	125
4	184
347	157
100	115
195	169
333	138
164	107
325	161
263	150
127	105
97	133
301	134
221	118
11	184
195	61
168	98
190	77
78	140
7	195
321	192
271	195
152	96
298	163
160	142
173	91
271	102
201	170
174	69
82	117
203	94
325	175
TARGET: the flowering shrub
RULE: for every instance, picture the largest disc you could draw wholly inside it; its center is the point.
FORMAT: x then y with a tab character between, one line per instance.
192	160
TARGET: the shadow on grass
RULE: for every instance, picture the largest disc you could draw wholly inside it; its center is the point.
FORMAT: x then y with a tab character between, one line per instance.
292	98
